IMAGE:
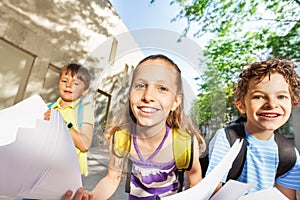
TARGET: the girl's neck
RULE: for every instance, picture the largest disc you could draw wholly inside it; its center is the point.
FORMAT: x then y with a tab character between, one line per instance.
150	132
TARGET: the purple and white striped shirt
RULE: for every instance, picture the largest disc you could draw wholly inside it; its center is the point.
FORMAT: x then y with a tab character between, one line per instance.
152	180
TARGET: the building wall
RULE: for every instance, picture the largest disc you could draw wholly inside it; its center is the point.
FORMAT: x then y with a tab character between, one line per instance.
38	37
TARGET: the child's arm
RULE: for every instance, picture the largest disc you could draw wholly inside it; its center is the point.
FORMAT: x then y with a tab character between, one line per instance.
195	174
289	193
288	183
107	186
83	138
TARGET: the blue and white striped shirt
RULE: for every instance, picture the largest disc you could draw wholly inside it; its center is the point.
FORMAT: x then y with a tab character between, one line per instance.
261	162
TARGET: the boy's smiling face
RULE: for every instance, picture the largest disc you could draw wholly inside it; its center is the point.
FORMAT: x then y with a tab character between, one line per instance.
71	88
267	105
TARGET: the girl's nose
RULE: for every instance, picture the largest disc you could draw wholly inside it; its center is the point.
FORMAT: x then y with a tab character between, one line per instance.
149	94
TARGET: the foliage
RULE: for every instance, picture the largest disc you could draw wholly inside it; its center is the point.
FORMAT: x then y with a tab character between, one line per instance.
286	46
242	31
227	16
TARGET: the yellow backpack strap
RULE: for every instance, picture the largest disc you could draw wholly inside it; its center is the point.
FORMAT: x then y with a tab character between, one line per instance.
183	154
121	142
182	149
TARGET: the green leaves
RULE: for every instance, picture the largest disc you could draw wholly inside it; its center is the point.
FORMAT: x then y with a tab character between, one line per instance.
243	31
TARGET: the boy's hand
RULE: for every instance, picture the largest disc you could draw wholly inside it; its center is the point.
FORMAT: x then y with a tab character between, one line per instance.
81	194
47	114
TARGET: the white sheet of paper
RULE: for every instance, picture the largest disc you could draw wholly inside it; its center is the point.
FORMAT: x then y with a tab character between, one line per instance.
271	193
204	189
232	190
23	114
41	162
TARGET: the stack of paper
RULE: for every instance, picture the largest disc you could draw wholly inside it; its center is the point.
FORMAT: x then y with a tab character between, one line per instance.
38	158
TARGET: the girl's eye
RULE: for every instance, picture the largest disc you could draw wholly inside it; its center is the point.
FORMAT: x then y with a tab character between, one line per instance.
163	88
63	80
76	83
140	86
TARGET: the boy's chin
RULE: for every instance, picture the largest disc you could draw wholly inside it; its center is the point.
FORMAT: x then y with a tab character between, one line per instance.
68	99
269	127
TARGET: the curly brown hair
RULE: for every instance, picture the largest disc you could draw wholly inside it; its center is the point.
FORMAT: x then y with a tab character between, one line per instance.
259	70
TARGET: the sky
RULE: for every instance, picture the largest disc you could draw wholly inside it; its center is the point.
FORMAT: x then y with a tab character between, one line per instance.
140	15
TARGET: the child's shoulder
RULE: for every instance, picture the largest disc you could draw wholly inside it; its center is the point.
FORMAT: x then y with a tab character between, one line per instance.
219	134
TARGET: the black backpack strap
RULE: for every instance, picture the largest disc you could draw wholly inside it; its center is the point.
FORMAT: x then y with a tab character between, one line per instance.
128	175
286	154
180	180
234	132
204	164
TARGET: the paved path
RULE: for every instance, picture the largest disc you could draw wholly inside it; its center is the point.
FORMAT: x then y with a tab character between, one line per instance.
98	159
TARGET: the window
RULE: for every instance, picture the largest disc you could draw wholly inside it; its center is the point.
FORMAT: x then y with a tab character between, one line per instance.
15	67
113	51
102	103
50	87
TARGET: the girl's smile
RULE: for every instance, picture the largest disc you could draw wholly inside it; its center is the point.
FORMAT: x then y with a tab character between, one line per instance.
146	109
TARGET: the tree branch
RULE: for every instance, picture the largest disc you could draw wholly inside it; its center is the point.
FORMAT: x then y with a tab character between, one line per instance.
297	1
276	20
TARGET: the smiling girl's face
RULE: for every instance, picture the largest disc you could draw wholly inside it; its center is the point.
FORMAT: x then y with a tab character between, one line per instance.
153	92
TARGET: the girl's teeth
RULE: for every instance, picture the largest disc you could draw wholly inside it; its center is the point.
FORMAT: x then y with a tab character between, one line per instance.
148	110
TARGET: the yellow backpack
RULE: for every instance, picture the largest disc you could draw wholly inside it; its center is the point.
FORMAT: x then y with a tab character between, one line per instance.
182	151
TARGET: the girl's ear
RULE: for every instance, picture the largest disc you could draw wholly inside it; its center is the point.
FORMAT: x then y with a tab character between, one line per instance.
240	106
85	92
177	102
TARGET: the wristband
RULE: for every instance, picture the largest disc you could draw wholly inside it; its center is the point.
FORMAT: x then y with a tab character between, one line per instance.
70	126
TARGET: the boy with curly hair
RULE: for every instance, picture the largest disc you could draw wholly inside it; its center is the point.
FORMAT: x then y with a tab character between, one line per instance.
265	94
